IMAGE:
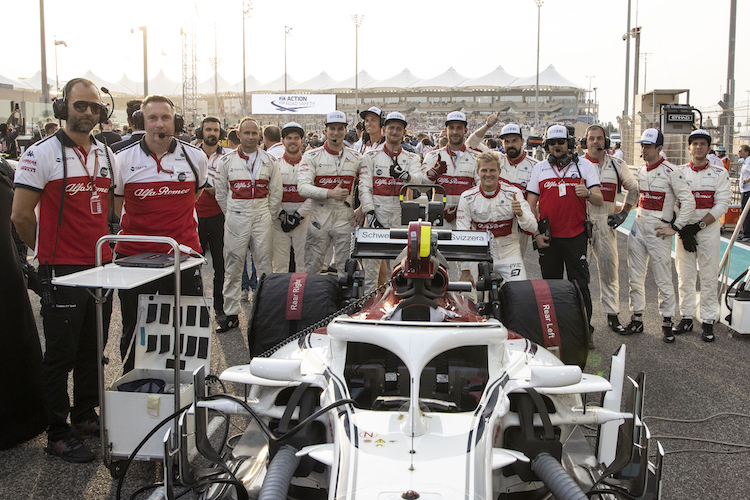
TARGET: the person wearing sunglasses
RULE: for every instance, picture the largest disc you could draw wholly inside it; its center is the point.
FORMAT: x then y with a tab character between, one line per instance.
558	190
69	174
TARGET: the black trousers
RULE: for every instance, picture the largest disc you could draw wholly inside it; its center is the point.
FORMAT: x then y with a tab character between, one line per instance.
568	254
211	234
69	320
746	224
190	284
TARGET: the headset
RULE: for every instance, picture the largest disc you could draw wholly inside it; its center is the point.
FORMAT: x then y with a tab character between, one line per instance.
139	120
571	142
199	132
584	144
60	106
382	116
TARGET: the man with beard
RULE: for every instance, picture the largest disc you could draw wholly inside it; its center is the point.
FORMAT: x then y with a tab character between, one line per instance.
613	173
374	120
210	216
290	228
70	175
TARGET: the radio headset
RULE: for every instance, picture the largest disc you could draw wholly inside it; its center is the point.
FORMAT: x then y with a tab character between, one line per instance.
584	142
199	133
139	120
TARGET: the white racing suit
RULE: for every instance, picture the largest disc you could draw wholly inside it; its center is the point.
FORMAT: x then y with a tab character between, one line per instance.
494	213
612	173
460	175
250	196
379	192
712	193
291	202
660	188
319	171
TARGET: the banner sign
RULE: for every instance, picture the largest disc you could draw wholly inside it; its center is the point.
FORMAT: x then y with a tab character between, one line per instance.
293	104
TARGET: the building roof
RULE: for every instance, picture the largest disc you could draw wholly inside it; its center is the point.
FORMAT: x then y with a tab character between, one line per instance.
547	78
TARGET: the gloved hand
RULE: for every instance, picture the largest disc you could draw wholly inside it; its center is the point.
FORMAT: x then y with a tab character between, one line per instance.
282	216
372	221
294	219
436	171
689	230
615	220
450	214
398	172
690	243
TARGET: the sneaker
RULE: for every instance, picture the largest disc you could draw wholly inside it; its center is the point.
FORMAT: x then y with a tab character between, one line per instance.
226	323
245	296
70	450
87	428
614	323
666	328
685	325
635	326
708	332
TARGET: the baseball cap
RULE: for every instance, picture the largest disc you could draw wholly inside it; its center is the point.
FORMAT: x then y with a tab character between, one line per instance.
557	132
721	148
292	127
374	110
456	116
652	136
395	117
699	134
509	129
335	117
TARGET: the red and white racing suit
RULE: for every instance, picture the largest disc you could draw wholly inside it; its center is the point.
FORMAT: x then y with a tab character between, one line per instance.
248	190
291	202
712	192
494	212
322	169
660	187
379	192
612	172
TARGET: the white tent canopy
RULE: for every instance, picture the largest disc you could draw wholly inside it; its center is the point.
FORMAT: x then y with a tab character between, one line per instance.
276	85
399	82
314	84
363	79
207	86
35	81
498	78
162	84
447	80
236	88
547	78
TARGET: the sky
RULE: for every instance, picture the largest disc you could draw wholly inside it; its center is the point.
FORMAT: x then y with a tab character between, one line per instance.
687	41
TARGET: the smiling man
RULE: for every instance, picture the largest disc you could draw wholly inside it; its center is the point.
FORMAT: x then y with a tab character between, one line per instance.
374	121
500	208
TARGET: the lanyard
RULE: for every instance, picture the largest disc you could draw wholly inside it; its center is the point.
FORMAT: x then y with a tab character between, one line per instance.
83	157
159	168
455	155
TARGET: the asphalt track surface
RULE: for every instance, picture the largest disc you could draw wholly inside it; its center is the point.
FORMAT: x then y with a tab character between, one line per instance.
687	380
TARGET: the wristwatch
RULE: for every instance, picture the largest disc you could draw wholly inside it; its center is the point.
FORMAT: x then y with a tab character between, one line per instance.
702	225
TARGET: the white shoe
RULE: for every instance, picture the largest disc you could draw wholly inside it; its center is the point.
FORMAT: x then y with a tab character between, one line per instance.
244	296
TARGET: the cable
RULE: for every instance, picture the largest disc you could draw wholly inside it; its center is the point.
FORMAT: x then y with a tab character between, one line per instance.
617	493
743	415
702	440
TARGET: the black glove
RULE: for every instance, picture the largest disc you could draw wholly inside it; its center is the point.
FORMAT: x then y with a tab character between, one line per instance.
371	221
282	216
437	170
690	243
689	230
615	220
398	172
294	219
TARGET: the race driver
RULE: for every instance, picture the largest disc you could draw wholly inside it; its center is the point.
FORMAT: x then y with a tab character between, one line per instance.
374	122
613	173
290	227
249	191
661	186
327	175
384	172
500	208
700	240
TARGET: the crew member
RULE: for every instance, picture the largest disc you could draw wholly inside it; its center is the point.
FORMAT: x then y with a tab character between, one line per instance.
613	173
327	175
701	238
561	185
384	172
744	154
661	185
500	208
272	141
249	191
290	227
157	182
374	120
135	121
69	174
210	216
721	152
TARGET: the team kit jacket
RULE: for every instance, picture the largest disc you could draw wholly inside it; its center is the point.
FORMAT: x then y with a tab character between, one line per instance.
659	186
461	174
240	190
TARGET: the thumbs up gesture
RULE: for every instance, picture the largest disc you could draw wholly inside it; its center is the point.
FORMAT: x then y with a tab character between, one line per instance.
581	189
516	205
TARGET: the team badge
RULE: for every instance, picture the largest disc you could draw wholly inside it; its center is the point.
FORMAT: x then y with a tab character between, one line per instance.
103	172
181	177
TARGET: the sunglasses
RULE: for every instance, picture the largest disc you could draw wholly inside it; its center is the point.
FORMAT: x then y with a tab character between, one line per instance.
559	142
81	106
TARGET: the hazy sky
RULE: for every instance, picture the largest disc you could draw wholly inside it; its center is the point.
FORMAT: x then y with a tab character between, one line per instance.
687	41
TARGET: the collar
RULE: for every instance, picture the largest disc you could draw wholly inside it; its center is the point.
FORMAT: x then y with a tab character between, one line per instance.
330	151
518	159
145	148
290	161
219	150
450	151
393	155
592	160
370	143
696	168
243	155
492	195
67	141
649	168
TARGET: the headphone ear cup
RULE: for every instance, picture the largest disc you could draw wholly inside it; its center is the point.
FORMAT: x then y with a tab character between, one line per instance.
103	113
60	109
552	160
198	133
571	143
584	143
222	133
607	143
179	123
138	121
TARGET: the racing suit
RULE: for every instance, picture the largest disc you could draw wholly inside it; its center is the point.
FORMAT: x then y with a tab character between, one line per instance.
249	191
379	190
322	169
712	191
291	203
612	173
494	212
660	187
